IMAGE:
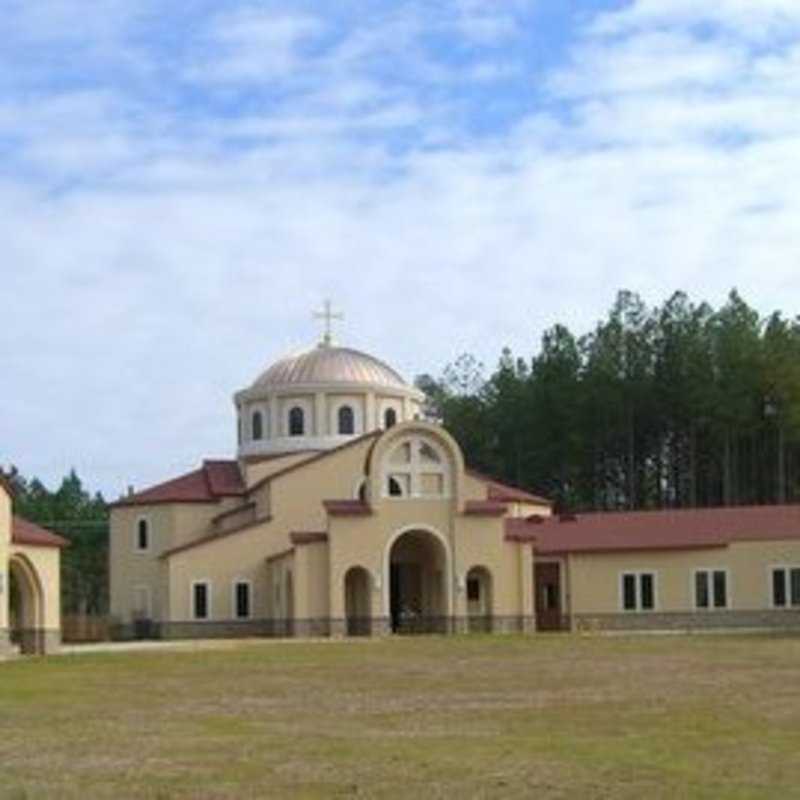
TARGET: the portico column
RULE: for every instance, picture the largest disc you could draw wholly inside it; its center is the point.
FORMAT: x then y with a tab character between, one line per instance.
370	419
274	418
320	415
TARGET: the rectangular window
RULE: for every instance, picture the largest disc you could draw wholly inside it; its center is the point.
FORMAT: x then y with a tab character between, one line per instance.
629	592
702	595
648	594
720	589
200	600
794	586
242	595
638	591
711	588
142	537
786	587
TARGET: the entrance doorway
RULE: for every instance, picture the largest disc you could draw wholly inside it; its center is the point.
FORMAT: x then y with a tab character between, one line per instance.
357	602
418	584
479	600
547	585
26	607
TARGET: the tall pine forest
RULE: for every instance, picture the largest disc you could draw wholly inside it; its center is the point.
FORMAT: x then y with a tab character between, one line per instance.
674	406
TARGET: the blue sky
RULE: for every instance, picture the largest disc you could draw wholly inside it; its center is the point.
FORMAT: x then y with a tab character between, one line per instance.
181	187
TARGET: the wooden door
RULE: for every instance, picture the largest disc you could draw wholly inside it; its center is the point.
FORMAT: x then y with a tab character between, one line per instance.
547	585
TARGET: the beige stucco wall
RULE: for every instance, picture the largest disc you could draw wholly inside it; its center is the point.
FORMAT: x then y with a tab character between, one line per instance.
171	525
5	543
594	579
258	470
296	506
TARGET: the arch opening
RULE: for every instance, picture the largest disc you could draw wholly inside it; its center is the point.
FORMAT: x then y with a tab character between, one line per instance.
357	602
297	422
347	421
257	426
479	600
418	569
26	607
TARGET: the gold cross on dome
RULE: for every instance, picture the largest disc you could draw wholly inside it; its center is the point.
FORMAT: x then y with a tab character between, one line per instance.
328	316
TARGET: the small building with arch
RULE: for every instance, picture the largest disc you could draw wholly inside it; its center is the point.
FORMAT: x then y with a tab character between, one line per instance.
30	587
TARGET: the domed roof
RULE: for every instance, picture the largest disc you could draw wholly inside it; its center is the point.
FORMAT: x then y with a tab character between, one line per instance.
326	364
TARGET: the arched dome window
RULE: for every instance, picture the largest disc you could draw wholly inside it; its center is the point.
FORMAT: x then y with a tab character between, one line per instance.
389	418
417	467
347	421
297	422
258	426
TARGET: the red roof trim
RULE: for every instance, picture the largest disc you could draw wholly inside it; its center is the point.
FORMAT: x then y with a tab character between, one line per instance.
611	532
484	508
506	493
308	537
208	484
347	508
32	535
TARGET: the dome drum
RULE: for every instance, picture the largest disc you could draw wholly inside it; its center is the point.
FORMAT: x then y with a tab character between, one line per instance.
320	399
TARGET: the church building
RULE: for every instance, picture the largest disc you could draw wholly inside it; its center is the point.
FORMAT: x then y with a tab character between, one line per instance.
346	512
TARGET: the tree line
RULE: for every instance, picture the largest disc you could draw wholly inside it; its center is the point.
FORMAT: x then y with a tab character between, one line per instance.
83	519
672	406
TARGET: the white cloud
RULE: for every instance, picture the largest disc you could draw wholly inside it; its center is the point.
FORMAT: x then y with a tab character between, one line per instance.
749	19
160	249
258	45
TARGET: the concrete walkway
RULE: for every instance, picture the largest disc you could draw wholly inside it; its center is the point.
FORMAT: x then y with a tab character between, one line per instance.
188	645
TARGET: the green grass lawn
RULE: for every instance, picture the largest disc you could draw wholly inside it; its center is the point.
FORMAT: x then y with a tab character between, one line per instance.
546	716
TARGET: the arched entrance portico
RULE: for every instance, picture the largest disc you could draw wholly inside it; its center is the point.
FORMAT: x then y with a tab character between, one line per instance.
419	582
26	607
357	602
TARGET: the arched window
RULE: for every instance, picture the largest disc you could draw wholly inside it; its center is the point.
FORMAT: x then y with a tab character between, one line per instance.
347	421
258	426
389	418
416	467
297	422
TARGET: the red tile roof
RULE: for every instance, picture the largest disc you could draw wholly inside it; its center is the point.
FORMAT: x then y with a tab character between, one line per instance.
224	478
504	493
214	480
485	508
26	533
308	537
346	508
657	530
